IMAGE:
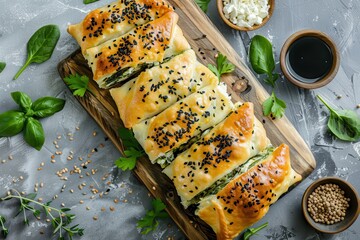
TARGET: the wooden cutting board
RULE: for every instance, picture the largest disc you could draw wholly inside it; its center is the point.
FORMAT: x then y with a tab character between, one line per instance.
206	40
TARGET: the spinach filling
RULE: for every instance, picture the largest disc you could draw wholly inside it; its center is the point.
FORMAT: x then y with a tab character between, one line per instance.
222	182
129	72
126	73
165	160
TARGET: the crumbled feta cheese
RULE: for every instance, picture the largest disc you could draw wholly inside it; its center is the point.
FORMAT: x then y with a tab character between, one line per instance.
246	13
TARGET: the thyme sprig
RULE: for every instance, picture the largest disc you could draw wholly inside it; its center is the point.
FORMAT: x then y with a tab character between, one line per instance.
60	218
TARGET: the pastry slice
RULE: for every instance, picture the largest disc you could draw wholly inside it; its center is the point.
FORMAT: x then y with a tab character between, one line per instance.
225	147
246	199
161	86
116	19
121	58
168	133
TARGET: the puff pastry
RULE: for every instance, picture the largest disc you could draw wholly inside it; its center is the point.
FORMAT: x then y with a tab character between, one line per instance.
119	59
229	144
167	133
246	199
116	19
161	86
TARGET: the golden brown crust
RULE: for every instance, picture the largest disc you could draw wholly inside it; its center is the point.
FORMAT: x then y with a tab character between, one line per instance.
247	198
116	19
146	43
182	121
228	145
159	87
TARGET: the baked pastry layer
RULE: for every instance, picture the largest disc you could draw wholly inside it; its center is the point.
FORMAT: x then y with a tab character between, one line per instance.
145	46
246	199
169	131
161	86
226	146
116	19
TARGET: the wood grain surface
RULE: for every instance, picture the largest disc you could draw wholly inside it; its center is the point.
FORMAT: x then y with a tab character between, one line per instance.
206	41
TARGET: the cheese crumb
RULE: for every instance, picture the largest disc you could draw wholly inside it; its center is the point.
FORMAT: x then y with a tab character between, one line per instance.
246	13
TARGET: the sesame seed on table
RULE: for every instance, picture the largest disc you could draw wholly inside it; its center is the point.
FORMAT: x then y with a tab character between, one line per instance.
58	175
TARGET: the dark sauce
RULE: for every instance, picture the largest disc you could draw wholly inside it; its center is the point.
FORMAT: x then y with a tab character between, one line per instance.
309	59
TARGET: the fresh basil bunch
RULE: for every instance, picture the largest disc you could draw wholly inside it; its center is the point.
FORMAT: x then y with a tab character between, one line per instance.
26	118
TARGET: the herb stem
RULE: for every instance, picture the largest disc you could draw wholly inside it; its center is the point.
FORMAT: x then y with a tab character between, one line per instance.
22	69
2	223
326	104
28	199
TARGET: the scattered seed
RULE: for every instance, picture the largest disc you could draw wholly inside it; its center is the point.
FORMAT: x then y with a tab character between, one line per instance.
88	208
116	200
62	204
10	157
112	208
358	106
95	218
81	201
42	164
41	185
94	133
3	161
72	190
103	209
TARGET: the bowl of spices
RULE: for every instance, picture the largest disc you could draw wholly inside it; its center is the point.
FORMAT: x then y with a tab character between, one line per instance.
245	15
309	59
330	205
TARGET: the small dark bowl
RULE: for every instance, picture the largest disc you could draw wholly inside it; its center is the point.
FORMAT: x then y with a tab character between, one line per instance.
324	80
351	213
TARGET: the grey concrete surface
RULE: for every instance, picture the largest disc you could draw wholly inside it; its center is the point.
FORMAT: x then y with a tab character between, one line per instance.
79	133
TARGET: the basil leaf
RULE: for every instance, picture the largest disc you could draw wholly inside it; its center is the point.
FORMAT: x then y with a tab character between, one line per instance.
203	4
261	55
22	99
2	66
344	124
41	46
128	139
89	1
11	123
47	106
34	133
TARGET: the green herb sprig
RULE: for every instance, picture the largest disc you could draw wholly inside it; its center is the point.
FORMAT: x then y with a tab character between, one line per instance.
133	150
60	218
262	61
150	221
78	84
203	4
274	106
2	66
252	231
4	230
26	118
344	124
41	46
89	1
223	65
